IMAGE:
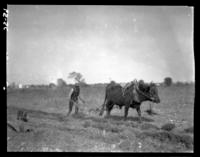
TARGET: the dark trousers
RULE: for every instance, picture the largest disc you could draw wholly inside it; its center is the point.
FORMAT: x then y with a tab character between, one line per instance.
71	104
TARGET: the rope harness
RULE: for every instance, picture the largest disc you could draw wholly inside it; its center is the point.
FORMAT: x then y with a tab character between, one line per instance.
135	83
142	93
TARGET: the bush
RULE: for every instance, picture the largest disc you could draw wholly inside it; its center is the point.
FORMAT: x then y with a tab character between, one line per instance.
189	130
61	83
168	81
168	127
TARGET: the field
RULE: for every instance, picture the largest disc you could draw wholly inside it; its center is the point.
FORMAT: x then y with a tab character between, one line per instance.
169	129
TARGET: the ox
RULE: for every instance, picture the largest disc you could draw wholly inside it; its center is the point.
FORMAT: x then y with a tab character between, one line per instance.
132	95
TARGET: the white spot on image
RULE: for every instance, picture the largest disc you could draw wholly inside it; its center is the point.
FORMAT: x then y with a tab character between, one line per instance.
106	25
134	19
20	86
139	145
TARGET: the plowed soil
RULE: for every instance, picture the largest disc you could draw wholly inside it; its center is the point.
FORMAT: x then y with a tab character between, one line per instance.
49	129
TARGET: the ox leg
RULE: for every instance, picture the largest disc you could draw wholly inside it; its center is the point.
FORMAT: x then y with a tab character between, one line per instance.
102	108
126	108
109	107
139	114
70	107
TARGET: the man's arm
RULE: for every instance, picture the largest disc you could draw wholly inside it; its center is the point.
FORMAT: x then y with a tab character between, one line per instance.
70	93
81	99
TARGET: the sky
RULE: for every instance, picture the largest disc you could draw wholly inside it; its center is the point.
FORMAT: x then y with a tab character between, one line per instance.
103	43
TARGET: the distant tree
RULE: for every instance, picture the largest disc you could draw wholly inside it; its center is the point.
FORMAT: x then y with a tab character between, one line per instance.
168	81
112	82
13	85
141	81
61	83
78	77
51	85
178	83
186	83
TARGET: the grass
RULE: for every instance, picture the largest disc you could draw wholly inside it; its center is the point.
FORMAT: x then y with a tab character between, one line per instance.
47	109
147	126
170	137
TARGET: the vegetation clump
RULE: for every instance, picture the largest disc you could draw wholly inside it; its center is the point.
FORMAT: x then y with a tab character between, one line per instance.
168	126
165	136
189	130
147	126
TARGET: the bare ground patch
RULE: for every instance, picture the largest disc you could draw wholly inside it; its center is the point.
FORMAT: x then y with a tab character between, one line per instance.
169	137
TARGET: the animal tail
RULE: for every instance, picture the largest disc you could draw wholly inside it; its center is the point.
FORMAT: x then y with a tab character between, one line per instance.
103	105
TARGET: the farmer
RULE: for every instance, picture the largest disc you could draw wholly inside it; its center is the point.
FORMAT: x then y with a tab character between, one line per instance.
74	99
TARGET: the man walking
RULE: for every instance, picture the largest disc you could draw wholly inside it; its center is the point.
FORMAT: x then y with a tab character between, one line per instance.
74	99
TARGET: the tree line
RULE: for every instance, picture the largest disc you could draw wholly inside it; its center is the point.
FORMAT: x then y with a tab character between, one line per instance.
79	79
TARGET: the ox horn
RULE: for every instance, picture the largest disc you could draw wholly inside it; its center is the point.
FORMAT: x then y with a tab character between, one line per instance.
135	81
136	84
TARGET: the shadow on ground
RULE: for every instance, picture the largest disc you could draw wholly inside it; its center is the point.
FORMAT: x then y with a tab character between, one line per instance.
134	119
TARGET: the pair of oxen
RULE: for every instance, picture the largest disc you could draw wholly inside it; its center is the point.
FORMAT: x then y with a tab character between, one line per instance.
130	96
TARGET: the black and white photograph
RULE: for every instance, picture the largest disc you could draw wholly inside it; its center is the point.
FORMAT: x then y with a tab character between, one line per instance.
100	78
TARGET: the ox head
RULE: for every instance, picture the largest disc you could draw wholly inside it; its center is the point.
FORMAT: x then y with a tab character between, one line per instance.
153	91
